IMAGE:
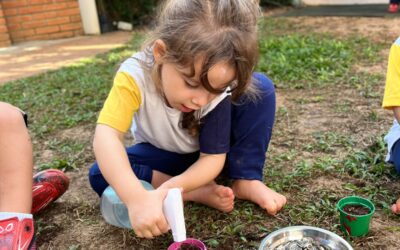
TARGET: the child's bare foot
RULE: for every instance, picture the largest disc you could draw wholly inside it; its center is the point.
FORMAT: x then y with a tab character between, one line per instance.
257	192
212	195
396	207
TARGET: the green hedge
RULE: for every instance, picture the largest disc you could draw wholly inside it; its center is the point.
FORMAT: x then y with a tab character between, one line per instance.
275	2
137	12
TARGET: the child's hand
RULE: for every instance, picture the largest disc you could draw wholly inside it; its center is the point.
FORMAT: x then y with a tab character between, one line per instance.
147	217
396	207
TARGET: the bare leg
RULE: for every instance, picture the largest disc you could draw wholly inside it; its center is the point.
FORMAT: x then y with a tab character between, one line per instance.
212	194
159	178
256	191
16	162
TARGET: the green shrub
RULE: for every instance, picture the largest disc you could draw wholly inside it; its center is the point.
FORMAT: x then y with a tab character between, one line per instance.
275	2
137	12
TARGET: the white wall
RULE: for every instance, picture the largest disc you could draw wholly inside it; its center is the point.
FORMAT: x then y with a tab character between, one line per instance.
340	2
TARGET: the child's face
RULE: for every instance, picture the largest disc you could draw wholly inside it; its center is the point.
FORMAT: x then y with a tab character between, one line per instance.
187	94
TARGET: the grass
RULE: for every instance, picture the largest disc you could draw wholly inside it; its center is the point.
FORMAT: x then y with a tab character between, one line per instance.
307	69
304	61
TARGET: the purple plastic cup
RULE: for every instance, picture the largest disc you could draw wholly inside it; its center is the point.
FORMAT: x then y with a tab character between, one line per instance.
189	241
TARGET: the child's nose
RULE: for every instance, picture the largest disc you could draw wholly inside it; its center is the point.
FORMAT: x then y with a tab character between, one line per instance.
202	99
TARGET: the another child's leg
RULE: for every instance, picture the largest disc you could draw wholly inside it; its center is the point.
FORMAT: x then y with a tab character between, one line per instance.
16	162
395	158
252	124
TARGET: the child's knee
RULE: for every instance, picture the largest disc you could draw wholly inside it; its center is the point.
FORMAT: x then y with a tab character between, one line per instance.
96	179
395	156
264	83
396	164
10	116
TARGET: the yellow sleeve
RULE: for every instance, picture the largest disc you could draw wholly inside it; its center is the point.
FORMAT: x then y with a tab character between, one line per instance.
122	102
391	97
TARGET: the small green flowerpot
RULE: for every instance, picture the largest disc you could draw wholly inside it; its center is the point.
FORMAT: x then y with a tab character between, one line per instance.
351	223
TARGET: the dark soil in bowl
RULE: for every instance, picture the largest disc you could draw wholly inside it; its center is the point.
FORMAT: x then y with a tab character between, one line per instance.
354	209
188	247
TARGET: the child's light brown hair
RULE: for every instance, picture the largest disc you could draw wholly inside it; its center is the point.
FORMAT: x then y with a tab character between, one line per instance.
217	30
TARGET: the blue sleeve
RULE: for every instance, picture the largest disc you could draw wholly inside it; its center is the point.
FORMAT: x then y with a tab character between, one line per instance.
215	129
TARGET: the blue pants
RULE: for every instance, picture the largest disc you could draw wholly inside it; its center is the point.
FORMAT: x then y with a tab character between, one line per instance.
395	156
251	129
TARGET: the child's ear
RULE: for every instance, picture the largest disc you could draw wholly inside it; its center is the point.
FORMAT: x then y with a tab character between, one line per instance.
159	50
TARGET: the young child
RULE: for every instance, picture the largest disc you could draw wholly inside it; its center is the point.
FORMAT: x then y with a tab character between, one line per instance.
196	107
16	192
391	100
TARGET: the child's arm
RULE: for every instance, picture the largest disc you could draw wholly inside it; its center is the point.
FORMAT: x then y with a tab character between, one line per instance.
145	207
203	171
396	112
214	141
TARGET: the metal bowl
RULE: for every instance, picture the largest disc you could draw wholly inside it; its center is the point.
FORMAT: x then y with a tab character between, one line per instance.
322	236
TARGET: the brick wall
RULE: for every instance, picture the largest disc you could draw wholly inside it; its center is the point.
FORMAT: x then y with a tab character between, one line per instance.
41	19
4	36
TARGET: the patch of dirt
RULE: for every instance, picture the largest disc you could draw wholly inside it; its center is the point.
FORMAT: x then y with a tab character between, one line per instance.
377	29
273	11
326	183
80	134
387	233
46	156
315	119
373	69
45	152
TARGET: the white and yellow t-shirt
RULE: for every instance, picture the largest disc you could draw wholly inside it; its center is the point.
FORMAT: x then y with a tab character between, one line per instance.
391	97
134	102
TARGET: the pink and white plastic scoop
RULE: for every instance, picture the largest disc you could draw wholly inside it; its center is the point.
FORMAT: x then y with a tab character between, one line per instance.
173	211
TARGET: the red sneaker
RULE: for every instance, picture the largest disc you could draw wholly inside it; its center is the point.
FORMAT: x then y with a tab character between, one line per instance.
17	235
393	8
48	186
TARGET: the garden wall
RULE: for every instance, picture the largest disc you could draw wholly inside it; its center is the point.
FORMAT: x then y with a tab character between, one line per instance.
4	36
27	20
